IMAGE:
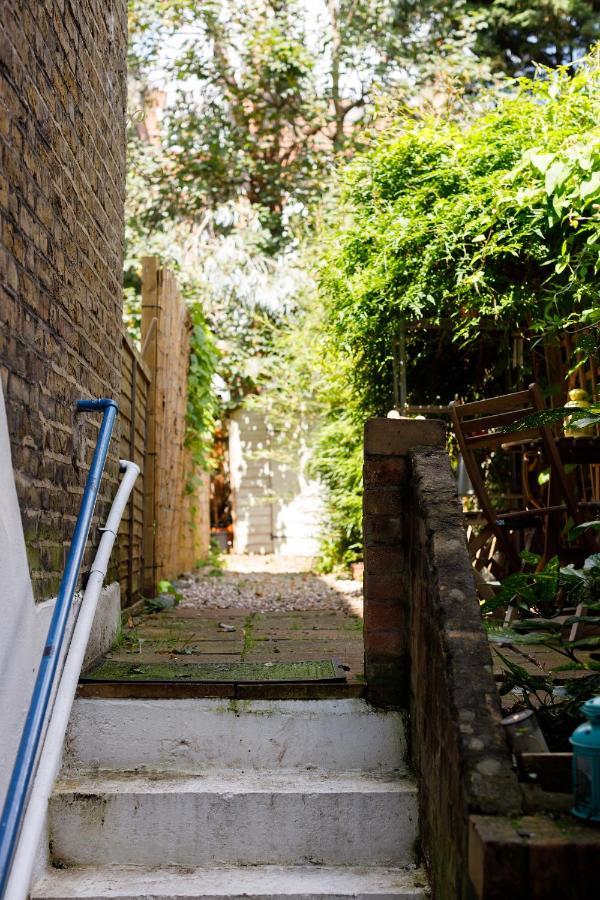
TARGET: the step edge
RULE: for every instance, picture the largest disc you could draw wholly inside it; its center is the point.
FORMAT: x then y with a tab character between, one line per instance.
58	882
217	782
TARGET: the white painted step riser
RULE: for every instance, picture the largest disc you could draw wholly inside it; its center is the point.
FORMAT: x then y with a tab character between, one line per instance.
195	735
249	883
200	829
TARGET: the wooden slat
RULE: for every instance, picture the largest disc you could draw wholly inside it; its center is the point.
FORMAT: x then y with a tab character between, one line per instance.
503	403
175	526
490	441
499	420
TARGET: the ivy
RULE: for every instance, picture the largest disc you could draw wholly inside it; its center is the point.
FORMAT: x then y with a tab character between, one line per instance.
202	403
467	232
494	225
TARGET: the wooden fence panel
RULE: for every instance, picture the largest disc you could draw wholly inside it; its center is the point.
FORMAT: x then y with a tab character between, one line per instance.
175	515
135	383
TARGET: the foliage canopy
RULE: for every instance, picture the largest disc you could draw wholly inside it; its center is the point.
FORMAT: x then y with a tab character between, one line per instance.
467	230
494	225
467	233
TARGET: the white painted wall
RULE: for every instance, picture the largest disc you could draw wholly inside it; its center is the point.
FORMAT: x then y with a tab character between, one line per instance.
25	622
21	636
277	508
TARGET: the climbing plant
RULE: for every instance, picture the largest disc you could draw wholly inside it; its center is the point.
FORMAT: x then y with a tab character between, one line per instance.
465	232
492	225
202	402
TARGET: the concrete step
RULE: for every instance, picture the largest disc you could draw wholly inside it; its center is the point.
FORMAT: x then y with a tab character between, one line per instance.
250	883
251	818
193	735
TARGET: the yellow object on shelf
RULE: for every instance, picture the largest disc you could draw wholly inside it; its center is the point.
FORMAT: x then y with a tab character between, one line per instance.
578	399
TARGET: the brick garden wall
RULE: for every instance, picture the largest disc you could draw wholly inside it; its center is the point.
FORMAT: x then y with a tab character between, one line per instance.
459	749
62	173
425	645
385	520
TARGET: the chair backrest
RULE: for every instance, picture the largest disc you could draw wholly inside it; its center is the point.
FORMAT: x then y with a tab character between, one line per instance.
486	425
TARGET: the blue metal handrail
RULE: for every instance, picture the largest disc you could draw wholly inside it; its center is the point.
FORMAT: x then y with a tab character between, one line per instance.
25	761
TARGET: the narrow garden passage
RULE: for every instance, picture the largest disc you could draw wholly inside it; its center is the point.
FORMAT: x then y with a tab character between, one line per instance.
260	610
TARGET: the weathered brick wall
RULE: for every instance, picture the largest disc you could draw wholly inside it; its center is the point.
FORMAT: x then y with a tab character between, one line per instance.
133	406
459	749
386	584
62	168
425	646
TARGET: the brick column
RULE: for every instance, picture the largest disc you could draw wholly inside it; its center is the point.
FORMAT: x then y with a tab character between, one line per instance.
386	588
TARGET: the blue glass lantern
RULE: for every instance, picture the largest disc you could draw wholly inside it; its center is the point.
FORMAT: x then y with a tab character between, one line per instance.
585	741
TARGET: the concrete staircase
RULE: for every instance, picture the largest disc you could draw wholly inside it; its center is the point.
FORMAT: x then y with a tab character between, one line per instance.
211	799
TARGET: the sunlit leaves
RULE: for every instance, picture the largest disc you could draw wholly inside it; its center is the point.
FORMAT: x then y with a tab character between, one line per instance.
493	223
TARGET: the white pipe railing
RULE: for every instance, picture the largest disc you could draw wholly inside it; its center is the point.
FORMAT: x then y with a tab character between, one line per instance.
51	755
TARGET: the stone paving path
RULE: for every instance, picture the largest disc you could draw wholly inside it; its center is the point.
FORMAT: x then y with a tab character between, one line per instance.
255	609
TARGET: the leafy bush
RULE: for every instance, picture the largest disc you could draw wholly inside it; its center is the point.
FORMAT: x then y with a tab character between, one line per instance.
466	233
202	403
494	225
337	461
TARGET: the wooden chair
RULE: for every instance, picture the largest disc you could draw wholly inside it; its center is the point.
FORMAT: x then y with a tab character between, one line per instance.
488	425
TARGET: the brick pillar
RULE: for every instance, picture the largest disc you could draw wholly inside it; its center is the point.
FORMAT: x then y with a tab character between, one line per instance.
386	588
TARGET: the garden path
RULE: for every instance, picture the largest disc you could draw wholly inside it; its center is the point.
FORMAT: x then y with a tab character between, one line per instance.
248	609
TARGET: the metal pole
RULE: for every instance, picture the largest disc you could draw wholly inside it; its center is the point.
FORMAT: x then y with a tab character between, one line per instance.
18	789
33	820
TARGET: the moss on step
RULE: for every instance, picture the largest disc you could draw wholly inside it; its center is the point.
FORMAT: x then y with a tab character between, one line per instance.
311	670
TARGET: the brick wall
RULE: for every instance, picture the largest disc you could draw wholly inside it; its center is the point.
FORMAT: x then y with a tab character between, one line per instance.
386	584
133	405
62	169
425	646
459	749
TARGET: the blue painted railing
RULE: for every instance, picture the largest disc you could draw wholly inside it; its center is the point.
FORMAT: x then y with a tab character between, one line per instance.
25	762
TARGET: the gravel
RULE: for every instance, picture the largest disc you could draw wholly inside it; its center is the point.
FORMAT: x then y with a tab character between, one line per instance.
268	584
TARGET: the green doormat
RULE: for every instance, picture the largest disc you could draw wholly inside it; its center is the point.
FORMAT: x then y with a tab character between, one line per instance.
235	672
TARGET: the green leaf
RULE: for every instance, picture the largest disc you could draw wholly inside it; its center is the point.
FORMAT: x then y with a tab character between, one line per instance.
590	315
580	529
556	175
529	557
569	573
569	667
538	624
541	161
585	422
592	562
589	187
585	642
590	620
540	637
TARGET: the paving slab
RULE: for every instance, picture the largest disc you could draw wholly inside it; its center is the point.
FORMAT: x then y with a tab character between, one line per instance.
194	632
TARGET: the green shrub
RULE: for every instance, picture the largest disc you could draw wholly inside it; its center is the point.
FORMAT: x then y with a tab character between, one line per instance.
493	225
466	233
